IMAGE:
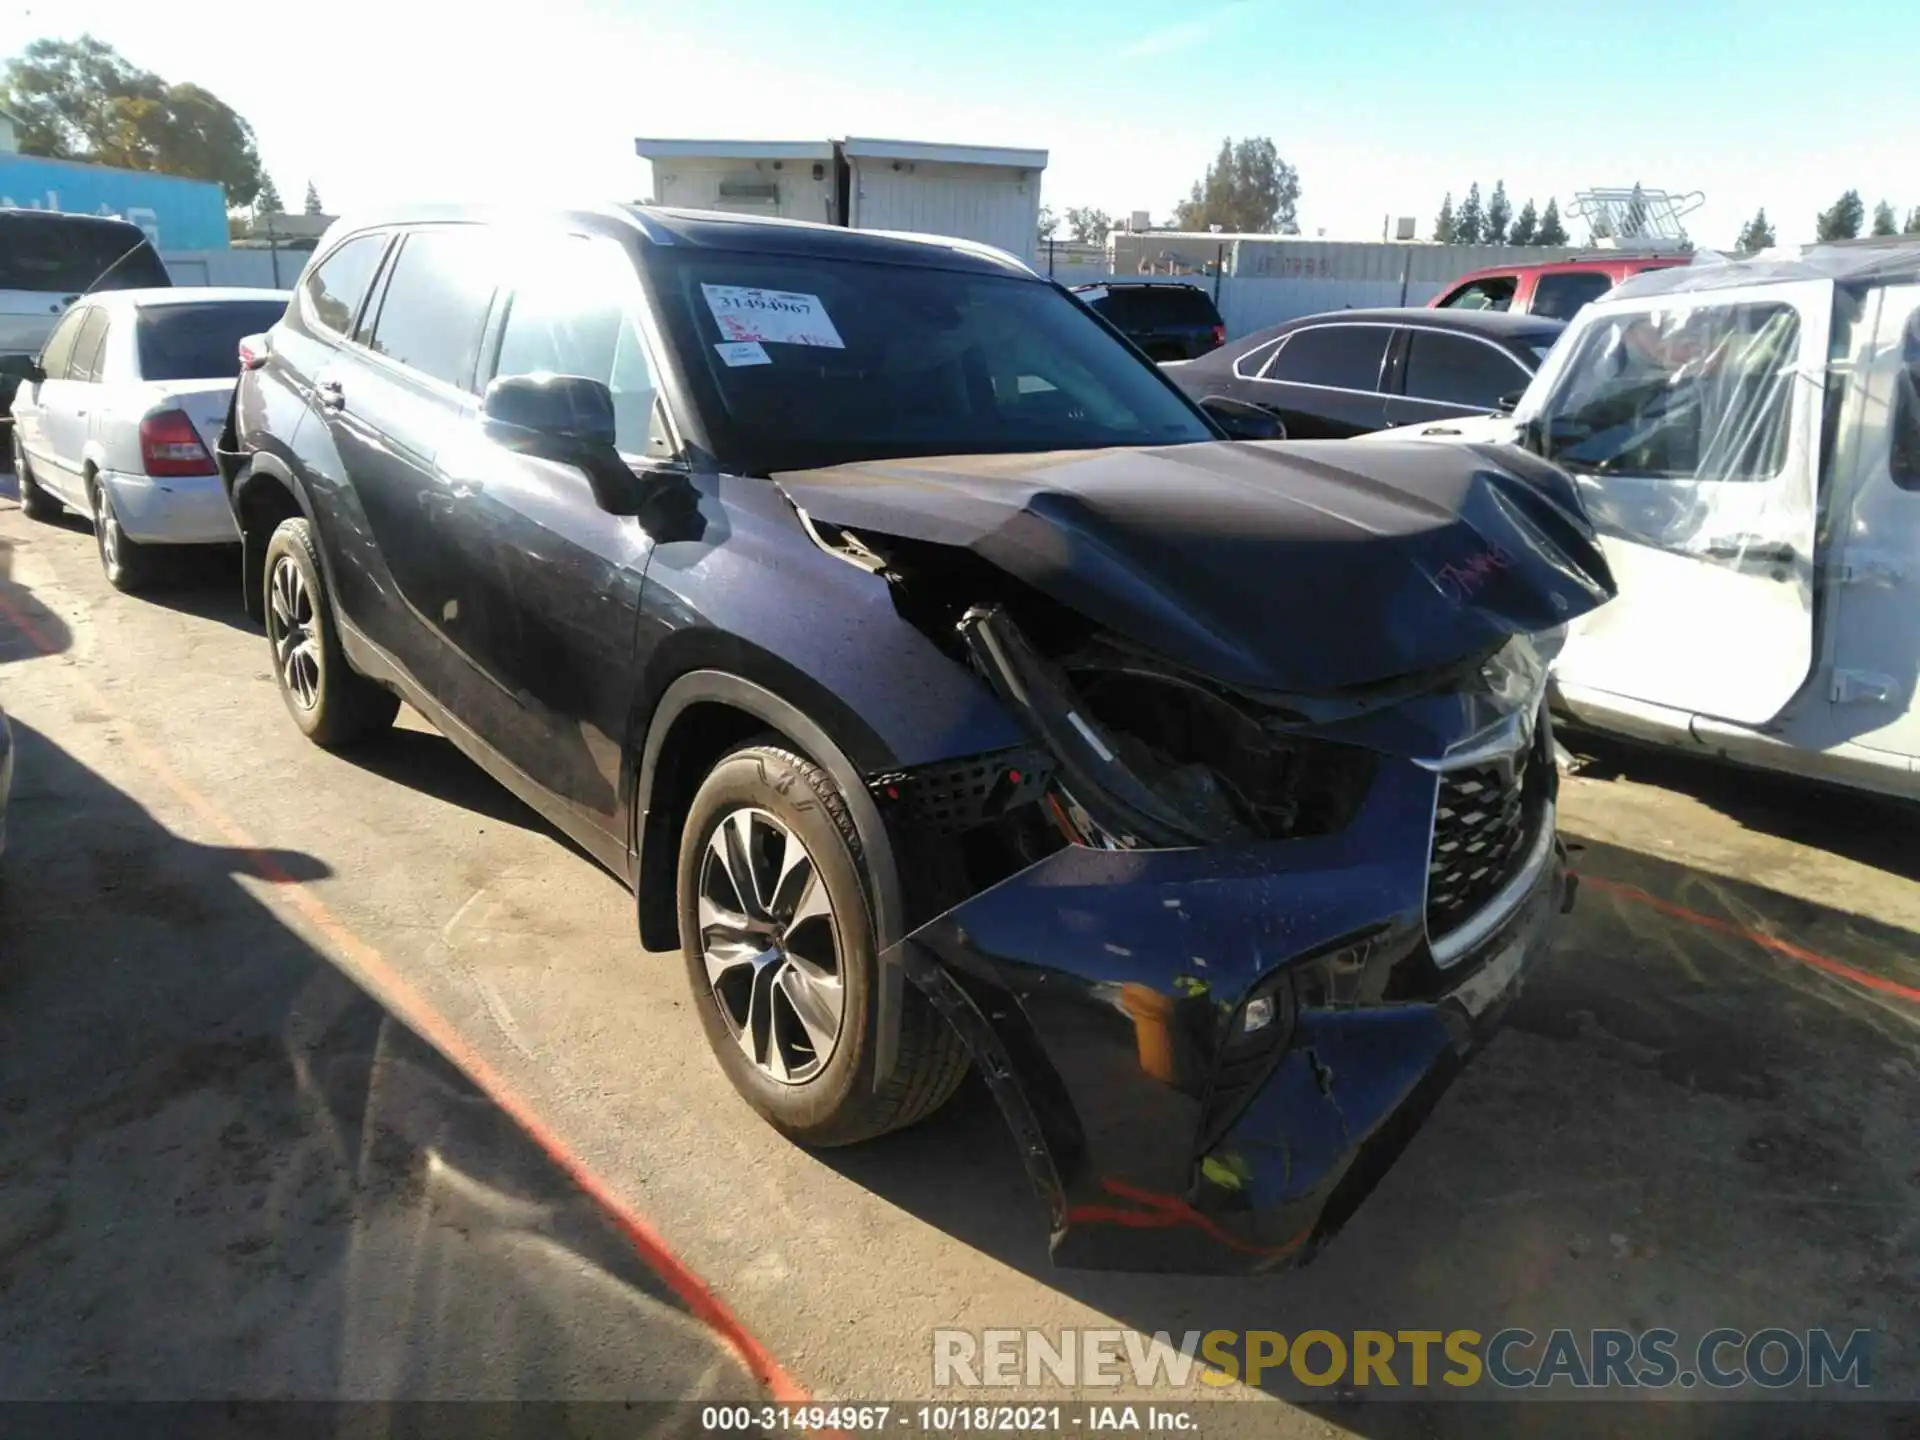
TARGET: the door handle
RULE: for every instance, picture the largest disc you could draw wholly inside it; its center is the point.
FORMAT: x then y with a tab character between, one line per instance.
332	396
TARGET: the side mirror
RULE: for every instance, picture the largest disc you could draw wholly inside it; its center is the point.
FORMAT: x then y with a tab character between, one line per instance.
569	420
1243	420
556	417
1509	402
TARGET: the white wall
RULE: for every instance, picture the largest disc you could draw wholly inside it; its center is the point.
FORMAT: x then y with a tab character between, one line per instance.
1249	303
694	184
993	204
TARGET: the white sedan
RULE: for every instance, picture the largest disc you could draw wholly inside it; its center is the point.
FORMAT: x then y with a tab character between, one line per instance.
120	419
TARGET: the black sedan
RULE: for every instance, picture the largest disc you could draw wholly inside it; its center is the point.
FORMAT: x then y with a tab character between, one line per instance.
1352	371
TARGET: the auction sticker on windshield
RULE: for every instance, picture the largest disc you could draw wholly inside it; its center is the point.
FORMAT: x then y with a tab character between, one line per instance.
776	317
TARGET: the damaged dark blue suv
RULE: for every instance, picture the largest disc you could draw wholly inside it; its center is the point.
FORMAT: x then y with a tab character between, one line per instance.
950	689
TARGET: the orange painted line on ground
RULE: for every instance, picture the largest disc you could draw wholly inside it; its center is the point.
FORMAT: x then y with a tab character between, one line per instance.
412	1007
1812	958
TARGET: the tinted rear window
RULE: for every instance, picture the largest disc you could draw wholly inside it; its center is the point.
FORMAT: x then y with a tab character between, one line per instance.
1345	357
1560	297
66	255
1460	370
200	342
1156	305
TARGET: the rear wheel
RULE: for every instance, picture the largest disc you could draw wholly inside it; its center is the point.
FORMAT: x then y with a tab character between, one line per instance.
129	565
35	503
333	704
775	927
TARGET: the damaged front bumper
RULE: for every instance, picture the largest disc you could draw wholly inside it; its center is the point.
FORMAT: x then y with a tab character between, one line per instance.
1209	1053
1087	987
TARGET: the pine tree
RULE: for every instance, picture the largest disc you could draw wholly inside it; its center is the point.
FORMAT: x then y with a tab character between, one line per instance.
1470	220
313	200
1756	234
1842	220
1883	221
1443	222
1912	227
1499	214
1551	231
1526	225
267	202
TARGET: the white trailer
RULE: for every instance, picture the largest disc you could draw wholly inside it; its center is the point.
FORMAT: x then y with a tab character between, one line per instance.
986	193
791	180
976	192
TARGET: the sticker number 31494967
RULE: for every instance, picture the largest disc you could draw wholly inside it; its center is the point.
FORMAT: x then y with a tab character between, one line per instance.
774	317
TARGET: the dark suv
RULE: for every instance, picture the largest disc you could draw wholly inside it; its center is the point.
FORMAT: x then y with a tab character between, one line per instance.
1169	320
946	684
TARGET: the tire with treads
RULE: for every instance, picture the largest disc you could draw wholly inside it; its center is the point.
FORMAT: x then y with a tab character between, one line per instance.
769	788
332	703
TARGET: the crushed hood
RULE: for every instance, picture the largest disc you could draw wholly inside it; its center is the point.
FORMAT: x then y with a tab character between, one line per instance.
1303	567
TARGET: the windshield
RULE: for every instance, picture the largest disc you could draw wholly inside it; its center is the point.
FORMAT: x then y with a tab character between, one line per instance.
799	362
1679	394
201	341
65	255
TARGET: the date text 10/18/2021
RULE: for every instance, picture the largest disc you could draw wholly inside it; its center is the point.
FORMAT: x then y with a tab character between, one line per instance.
952	1419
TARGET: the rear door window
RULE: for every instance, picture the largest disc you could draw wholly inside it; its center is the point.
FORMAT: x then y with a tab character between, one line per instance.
1339	357
1561	296
1495	292
89	347
435	305
1459	370
58	352
335	287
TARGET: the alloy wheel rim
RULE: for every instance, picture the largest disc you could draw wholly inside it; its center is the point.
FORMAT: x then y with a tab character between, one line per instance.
291	629
771	946
108	528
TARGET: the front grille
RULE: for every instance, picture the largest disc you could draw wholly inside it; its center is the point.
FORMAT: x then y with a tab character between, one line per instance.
1483	821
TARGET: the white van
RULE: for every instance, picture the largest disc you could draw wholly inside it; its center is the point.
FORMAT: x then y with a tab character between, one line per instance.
1746	436
48	260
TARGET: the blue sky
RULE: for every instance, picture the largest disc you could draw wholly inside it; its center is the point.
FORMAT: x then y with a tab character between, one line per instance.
1381	104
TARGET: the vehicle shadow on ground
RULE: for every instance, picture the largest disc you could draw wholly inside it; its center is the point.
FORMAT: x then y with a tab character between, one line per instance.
202	581
28	629
229	1172
425	760
1872	829
1679	1127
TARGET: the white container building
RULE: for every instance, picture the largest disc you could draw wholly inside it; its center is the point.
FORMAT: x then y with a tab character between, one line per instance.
976	192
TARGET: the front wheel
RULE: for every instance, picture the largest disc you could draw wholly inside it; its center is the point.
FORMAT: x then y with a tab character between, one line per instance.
333	704
775	927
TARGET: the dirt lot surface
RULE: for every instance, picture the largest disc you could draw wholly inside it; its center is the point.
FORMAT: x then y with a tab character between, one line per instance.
238	1159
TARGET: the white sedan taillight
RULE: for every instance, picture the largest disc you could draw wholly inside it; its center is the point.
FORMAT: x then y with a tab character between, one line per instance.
169	445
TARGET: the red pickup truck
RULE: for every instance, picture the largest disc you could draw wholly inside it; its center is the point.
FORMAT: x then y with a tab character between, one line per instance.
1556	289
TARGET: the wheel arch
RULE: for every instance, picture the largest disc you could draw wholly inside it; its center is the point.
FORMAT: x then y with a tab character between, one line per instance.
699	716
265	494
